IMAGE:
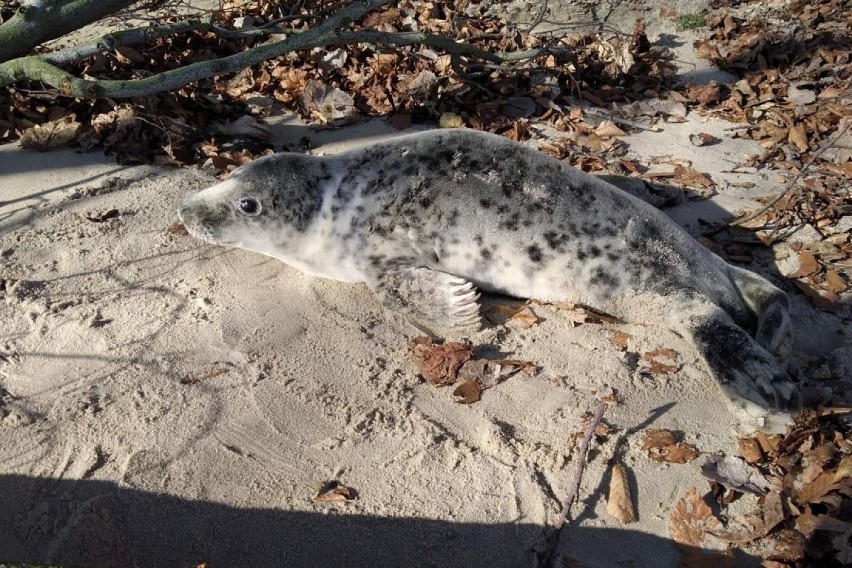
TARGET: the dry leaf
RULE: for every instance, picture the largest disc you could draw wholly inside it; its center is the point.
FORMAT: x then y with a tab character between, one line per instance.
178	229
702	139
50	135
468	392
658	439
750	450
620	339
691	519
619	503
501	314
735	473
659	367
332	491
608	129
825	483
690	177
773	515
678	453
807	265
439	364
769	444
799	137
489	373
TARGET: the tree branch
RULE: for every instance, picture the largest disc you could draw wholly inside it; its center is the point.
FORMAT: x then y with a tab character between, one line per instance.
45	69
38	21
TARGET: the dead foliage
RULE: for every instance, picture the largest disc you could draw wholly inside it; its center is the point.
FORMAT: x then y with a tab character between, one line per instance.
803	515
335	85
448	363
794	98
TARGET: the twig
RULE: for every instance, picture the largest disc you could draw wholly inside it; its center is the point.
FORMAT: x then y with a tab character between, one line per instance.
548	548
581	465
790	185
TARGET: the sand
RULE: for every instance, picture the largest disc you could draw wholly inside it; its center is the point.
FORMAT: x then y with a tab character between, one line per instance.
170	403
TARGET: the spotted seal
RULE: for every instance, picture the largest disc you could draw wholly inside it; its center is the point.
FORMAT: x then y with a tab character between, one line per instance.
427	219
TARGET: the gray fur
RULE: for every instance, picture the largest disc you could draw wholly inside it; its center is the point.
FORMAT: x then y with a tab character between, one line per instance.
425	219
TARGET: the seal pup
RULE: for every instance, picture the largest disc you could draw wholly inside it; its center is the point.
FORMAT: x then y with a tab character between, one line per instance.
427	219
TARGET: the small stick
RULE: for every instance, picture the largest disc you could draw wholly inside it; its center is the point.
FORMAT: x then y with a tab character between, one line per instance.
581	465
547	557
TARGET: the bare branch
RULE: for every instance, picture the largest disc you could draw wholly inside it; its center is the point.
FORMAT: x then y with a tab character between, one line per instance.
38	21
47	68
41	69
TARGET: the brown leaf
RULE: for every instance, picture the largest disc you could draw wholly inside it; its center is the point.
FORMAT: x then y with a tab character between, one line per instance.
750	450
439	364
773	515
489	373
659	367
501	314
690	177
332	491
620	338
619	503
769	444
658	439
799	137
468	392
704	94
678	453
835	283
822	299
702	139
691	519
807	265
608	129
825	483
50	135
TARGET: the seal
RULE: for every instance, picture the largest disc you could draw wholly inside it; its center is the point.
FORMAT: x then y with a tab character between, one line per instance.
426	220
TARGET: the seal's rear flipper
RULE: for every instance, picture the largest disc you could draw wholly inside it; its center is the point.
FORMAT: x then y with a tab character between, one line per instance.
750	378
771	307
432	299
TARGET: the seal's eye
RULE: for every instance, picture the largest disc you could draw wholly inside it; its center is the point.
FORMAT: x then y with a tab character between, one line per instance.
248	205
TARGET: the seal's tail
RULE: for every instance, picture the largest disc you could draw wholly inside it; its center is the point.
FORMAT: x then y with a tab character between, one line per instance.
771	307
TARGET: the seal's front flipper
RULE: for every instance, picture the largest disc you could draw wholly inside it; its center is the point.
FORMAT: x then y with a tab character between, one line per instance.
432	299
750	378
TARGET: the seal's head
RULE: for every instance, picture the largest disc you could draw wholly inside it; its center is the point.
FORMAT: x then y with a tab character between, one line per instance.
262	206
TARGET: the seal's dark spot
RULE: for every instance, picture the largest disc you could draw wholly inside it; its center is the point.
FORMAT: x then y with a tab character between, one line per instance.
485	253
534	253
595	251
478	239
556	241
485	203
601	277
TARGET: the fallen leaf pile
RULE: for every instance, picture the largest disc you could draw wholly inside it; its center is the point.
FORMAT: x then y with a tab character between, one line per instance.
804	510
447	363
337	85
795	98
